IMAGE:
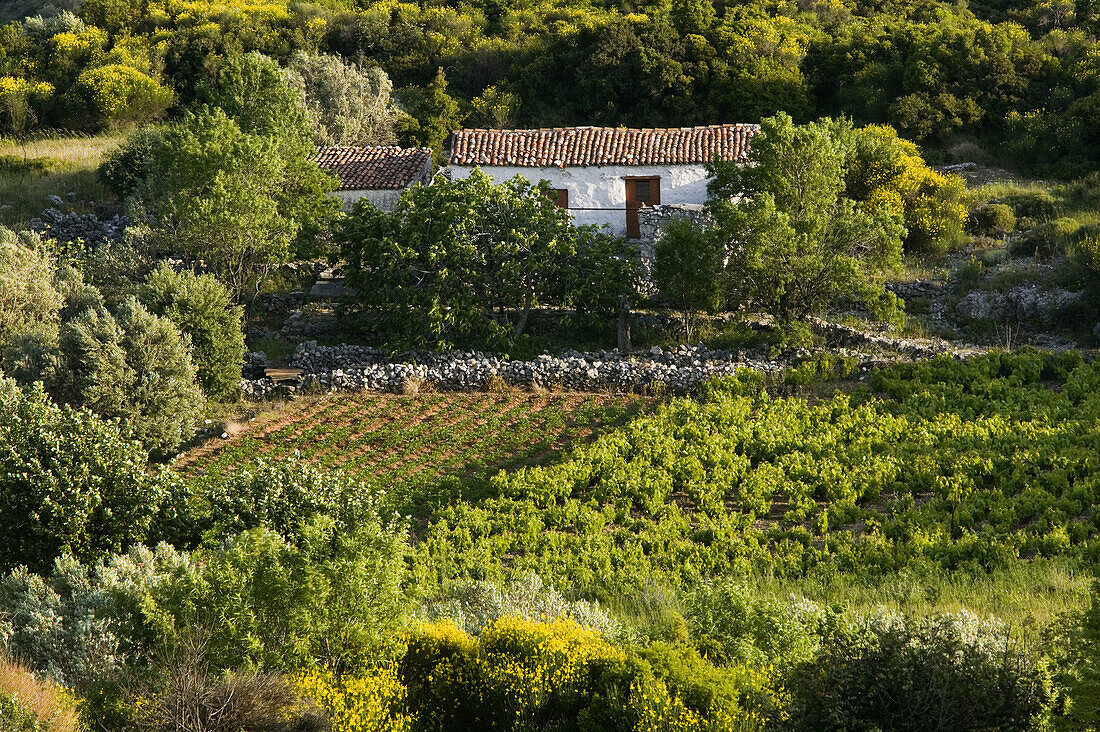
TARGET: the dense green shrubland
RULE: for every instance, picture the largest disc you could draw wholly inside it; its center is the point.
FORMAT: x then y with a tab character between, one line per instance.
69	482
1020	80
149	362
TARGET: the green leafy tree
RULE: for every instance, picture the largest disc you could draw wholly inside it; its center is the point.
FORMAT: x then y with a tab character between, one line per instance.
252	90
793	241
462	263
69	481
200	306
135	367
688	269
216	191
961	70
433	115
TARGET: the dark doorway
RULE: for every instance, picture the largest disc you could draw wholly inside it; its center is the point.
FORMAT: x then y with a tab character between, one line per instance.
640	191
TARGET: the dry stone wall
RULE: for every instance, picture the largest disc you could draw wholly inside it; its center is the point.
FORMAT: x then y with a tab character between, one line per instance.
354	368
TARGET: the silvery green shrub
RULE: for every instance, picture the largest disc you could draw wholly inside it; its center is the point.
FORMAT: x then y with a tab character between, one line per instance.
82	623
946	672
474	605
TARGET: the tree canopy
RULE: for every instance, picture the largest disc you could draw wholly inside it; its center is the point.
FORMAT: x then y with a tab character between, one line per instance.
793	241
462	263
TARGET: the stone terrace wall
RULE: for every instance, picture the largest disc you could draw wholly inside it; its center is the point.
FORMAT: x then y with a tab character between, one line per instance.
355	368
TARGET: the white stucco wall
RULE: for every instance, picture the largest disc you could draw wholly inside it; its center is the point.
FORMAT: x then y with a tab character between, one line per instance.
597	194
385	200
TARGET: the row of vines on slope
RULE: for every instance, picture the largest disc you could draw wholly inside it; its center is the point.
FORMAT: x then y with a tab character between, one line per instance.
956	465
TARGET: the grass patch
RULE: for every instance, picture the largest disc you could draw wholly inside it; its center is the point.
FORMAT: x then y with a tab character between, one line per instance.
922	267
1027	594
33	169
276	349
30	703
1077	199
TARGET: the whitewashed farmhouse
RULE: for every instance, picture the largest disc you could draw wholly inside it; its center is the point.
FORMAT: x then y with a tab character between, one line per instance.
378	174
603	175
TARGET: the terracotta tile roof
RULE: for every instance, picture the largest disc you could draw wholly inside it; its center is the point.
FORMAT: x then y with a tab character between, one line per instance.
373	168
569	146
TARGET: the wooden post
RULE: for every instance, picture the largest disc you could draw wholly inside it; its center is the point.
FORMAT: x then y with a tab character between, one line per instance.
624	324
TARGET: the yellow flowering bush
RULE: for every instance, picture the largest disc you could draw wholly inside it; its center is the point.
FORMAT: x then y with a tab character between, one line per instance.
75	50
525	674
371	702
189	11
888	172
119	96
17	99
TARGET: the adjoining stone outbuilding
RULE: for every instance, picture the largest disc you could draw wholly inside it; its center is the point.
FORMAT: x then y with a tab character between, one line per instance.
604	175
378	174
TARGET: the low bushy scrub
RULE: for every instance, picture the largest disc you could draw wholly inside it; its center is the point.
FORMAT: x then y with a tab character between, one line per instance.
201	307
523	674
285	497
992	219
69	481
732	625
475	605
1046	240
949	672
1037	204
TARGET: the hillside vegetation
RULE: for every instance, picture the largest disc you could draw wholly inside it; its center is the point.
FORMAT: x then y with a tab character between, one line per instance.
854	538
1016	80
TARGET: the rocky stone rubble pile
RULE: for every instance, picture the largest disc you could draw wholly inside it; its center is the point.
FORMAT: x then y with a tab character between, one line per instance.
255	365
1022	303
354	367
915	348
88	228
309	323
917	288
279	302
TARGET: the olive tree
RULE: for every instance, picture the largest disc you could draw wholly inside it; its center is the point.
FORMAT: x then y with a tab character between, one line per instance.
135	367
30	303
347	103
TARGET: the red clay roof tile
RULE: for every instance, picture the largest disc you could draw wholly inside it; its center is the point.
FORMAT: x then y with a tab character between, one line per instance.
374	168
572	146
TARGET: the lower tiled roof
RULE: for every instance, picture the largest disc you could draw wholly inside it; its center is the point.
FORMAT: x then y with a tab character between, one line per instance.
570	146
373	168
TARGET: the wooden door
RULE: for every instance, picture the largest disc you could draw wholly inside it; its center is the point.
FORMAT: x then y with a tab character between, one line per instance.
640	191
